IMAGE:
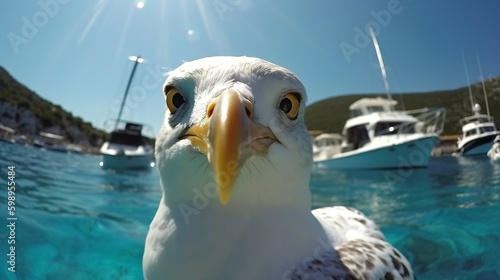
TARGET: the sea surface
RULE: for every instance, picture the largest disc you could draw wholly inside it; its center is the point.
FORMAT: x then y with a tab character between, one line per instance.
76	221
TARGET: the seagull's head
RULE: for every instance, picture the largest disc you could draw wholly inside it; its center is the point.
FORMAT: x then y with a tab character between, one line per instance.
234	129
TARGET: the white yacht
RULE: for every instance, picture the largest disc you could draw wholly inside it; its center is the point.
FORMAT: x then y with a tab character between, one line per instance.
479	132
127	149
54	142
379	137
326	145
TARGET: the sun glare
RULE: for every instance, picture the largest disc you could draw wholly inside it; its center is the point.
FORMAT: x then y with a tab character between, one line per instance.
140	4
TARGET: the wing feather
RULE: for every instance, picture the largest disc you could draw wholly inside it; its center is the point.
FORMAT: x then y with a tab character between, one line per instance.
360	250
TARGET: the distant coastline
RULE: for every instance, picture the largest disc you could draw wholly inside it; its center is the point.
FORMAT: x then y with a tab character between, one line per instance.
28	115
329	115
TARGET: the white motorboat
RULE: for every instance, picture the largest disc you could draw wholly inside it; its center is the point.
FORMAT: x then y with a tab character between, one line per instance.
479	130
494	152
54	142
127	149
326	145
379	137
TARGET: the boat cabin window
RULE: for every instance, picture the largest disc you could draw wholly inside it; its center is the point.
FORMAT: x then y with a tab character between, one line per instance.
483	120
356	112
470	132
357	136
126	139
373	109
391	128
487	129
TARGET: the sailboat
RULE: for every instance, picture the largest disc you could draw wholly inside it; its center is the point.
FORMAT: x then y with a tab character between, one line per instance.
479	130
127	148
376	136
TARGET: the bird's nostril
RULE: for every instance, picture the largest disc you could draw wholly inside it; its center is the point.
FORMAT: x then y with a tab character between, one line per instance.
249	113
210	109
248	108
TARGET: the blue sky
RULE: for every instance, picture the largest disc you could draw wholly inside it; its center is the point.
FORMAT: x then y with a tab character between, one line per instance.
75	53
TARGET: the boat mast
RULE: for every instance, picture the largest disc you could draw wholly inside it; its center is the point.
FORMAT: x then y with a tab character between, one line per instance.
137	60
381	63
468	84
484	87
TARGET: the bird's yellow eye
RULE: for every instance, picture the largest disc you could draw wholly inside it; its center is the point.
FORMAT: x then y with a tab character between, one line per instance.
290	105
174	100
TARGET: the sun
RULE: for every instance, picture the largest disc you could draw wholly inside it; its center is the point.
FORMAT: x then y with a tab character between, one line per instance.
140	4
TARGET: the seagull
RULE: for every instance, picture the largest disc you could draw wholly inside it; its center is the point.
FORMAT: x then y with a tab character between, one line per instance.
234	158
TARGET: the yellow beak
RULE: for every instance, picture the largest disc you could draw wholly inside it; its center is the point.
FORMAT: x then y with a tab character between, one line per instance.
228	136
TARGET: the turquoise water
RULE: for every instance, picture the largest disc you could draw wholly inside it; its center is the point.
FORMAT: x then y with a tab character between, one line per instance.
76	221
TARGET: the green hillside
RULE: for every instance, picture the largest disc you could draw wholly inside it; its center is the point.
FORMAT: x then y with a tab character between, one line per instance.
329	115
48	114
